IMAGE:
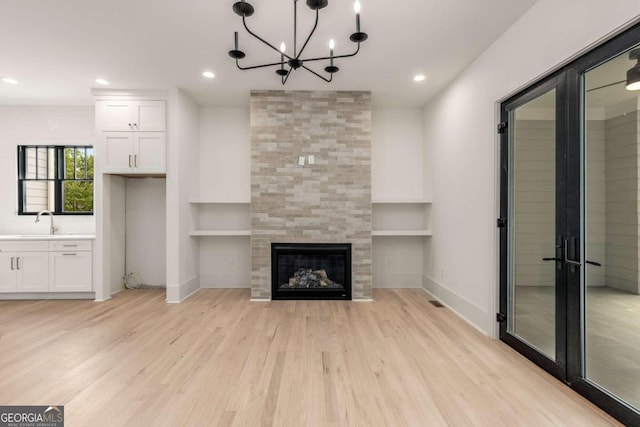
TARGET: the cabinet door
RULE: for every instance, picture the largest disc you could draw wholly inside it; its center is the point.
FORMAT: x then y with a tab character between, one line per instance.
149	116
33	271
7	272
116	116
150	152
70	272
118	152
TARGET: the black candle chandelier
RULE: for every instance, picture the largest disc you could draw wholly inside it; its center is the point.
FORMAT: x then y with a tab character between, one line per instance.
289	63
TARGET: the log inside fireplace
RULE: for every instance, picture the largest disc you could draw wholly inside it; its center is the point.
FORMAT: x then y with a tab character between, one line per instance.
311	271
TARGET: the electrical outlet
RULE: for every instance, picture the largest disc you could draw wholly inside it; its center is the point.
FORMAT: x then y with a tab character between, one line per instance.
312	159
301	160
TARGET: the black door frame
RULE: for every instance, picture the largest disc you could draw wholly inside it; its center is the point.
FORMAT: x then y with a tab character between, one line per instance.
556	81
571	299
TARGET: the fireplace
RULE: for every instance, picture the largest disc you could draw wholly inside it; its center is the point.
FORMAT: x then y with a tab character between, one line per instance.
311	271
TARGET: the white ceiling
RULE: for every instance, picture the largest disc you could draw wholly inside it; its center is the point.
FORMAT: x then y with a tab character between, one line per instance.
56	48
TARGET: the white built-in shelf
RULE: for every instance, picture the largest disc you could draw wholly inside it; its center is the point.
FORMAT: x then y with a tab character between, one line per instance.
401	201
221	218
220	233
402	233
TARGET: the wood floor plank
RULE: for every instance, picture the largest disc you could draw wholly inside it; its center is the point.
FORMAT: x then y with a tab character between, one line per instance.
220	359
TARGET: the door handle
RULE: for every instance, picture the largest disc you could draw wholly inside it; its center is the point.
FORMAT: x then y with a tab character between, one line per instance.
574	265
551	259
566	252
597	264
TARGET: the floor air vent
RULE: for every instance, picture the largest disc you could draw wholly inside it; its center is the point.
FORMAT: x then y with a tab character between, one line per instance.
436	303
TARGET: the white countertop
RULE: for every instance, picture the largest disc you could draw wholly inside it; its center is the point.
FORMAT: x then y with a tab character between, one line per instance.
47	237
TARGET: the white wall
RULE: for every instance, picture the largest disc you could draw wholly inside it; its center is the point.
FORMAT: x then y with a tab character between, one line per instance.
31	125
397	173
146	230
397	159
461	138
116	228
224	155
182	171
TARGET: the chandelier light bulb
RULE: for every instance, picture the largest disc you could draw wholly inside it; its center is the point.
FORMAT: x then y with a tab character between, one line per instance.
332	44
283	48
356	6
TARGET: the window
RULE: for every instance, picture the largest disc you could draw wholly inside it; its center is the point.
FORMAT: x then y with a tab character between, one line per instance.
55	178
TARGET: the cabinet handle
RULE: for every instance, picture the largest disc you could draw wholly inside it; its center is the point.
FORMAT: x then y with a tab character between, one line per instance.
69	254
69	246
129	160
17	263
135	124
135	160
130	125
12	267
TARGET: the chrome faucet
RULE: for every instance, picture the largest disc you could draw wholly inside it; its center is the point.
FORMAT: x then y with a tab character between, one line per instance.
52	229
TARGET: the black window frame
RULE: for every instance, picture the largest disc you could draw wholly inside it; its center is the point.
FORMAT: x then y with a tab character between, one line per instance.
58	177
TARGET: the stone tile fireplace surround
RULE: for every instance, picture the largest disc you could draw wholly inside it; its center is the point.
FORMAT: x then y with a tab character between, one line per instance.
325	202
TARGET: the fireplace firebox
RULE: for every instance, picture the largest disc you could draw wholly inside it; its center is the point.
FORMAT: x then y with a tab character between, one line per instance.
311	271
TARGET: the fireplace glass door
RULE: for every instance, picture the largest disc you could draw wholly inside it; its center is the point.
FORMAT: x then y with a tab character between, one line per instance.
310	271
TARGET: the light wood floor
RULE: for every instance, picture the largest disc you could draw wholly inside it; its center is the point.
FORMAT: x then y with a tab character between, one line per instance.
218	359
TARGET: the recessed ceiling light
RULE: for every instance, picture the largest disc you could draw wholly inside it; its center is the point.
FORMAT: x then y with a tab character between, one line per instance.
102	82
208	74
419	78
9	80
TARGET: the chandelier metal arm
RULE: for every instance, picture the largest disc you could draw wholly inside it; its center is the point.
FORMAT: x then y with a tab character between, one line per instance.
334	57
319	75
310	34
259	66
285	78
244	22
294	61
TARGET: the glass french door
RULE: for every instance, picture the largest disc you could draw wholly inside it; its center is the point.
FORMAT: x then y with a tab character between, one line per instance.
570	225
535	225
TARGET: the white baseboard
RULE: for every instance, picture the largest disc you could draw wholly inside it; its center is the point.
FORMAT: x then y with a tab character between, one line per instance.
397	280
471	313
260	300
362	300
48	295
182	291
117	291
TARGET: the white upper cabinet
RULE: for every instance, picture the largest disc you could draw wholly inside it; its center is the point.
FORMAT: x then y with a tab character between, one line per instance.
134	153
133	136
131	116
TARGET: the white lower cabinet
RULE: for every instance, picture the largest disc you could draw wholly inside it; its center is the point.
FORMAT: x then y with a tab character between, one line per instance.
24	272
33	271
8	274
24	267
46	266
70	272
